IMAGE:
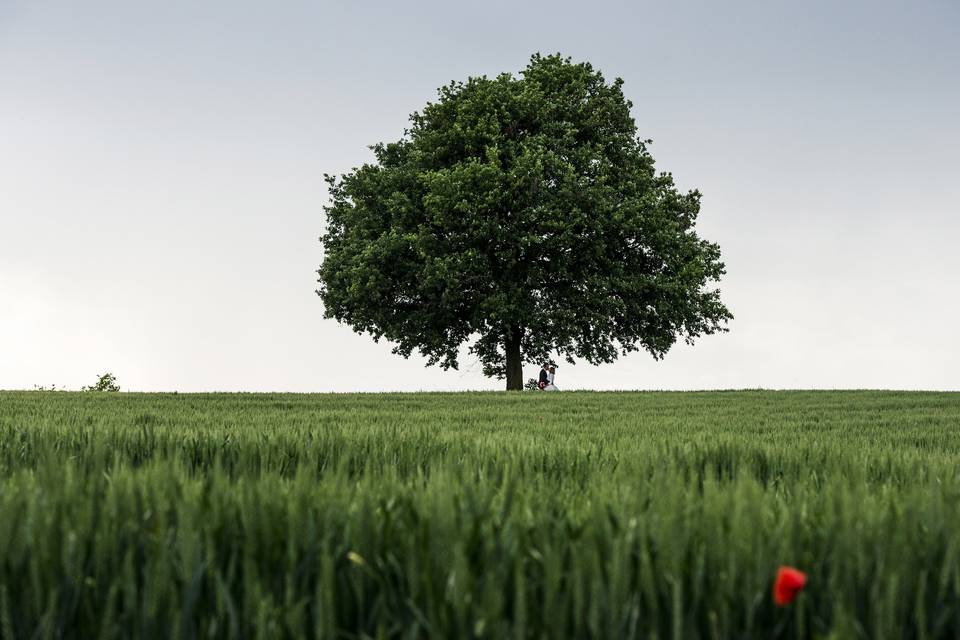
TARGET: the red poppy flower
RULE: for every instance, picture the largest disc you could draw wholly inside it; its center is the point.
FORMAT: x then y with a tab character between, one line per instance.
788	584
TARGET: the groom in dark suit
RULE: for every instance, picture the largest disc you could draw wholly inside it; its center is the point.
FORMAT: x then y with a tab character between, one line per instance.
544	380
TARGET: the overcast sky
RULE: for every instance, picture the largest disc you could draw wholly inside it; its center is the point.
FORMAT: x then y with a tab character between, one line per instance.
161	188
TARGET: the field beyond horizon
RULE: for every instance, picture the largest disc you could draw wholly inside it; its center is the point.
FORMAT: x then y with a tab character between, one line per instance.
493	515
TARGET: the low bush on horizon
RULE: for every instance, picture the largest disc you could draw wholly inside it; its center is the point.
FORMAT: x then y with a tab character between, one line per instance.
565	515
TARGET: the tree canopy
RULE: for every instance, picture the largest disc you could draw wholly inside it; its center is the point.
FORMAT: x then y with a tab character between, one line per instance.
522	216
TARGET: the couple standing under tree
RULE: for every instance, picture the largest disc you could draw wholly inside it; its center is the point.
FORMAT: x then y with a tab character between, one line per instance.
547	374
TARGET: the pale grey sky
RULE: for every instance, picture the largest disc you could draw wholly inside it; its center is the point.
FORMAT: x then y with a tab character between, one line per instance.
161	192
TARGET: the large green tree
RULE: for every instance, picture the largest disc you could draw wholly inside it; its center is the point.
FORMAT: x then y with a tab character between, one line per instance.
524	216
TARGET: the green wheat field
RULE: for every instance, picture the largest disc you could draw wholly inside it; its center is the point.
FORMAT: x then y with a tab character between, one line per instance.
478	515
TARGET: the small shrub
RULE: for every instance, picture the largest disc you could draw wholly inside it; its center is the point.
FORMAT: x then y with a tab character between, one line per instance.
107	382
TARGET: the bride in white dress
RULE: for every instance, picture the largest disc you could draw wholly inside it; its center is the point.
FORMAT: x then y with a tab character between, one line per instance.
552	373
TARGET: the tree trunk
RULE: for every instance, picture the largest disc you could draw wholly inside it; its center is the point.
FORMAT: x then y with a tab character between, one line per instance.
514	363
